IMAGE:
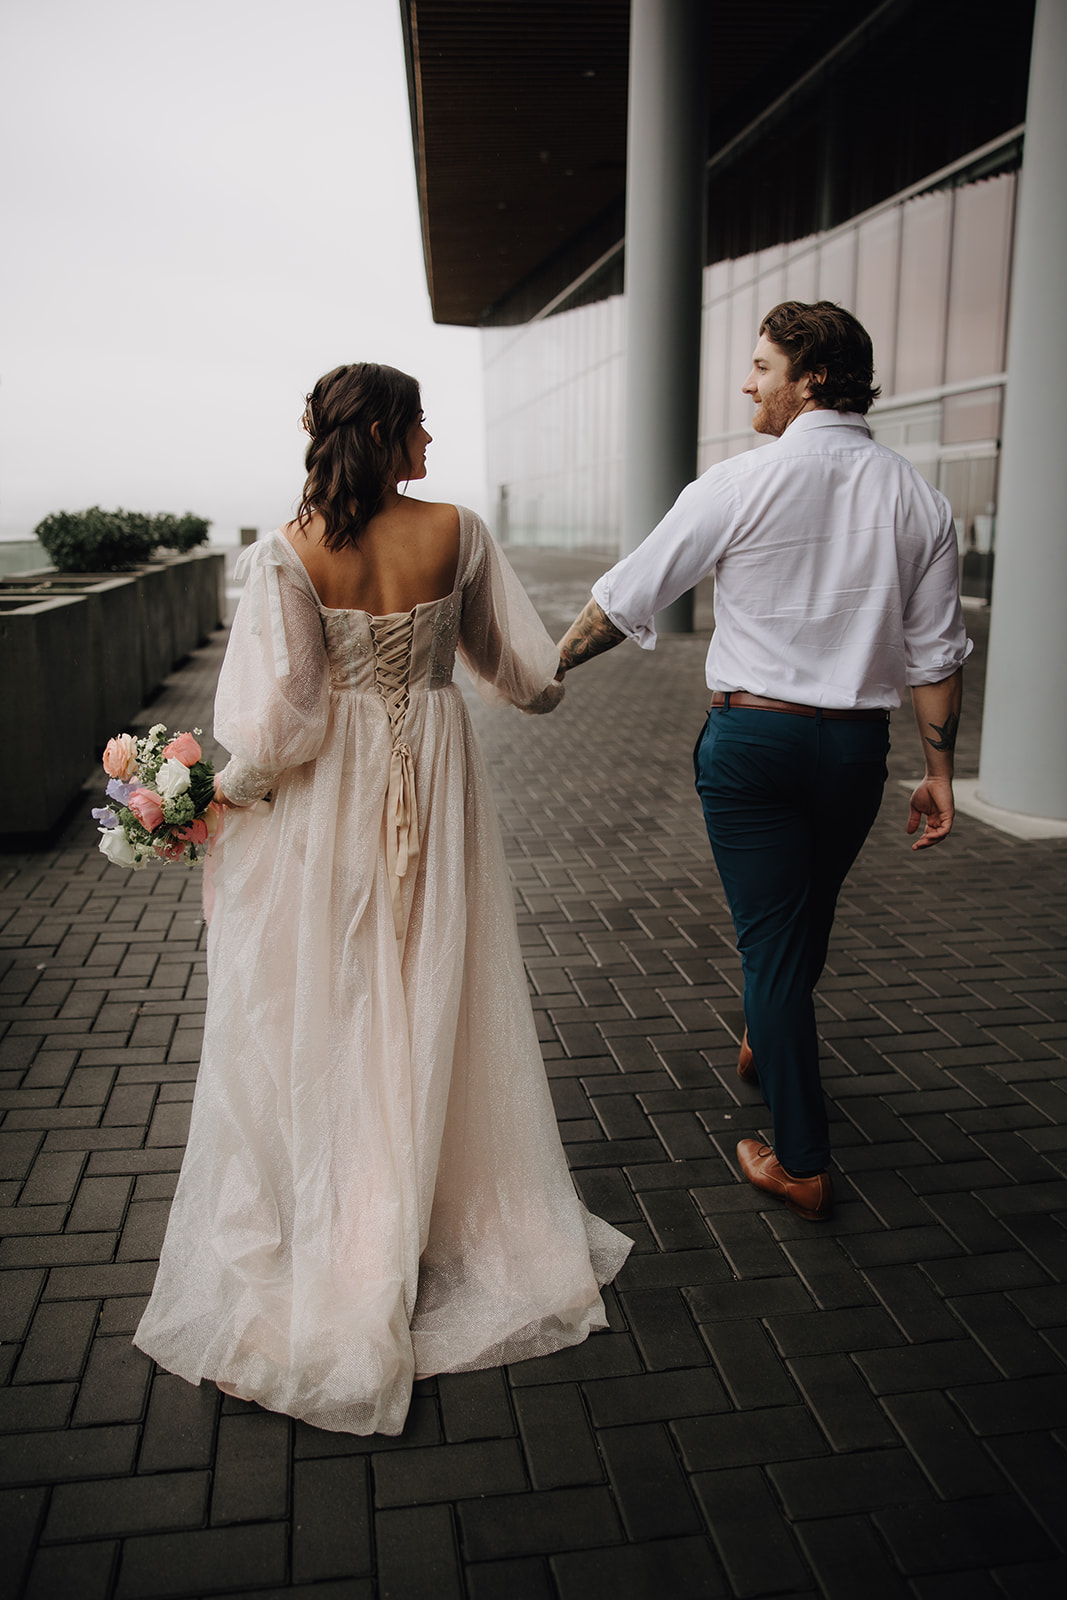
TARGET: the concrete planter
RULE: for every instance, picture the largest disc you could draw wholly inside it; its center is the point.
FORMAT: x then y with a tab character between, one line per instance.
80	653
46	713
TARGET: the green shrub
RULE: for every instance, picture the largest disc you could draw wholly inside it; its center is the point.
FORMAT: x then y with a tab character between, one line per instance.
95	540
166	530
114	541
189	531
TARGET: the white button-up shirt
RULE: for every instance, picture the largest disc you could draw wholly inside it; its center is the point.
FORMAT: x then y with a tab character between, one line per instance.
836	570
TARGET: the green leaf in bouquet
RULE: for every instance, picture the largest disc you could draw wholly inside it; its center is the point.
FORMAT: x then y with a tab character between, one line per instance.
201	788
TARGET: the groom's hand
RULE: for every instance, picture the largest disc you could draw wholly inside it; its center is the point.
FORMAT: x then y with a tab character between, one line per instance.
931	809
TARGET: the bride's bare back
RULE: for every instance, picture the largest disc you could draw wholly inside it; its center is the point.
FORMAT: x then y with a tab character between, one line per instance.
407	555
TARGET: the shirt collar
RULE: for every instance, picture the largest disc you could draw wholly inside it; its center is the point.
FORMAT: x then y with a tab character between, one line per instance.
822	418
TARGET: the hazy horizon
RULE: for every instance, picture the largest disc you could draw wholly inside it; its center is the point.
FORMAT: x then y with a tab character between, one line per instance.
207	207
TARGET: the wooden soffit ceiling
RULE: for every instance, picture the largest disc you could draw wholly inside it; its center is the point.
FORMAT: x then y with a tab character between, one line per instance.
519	122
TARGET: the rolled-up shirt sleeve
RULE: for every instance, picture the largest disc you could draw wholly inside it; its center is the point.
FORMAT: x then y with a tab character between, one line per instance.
935	639
681	549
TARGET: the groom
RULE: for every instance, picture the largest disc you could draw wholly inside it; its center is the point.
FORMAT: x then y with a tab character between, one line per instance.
836	589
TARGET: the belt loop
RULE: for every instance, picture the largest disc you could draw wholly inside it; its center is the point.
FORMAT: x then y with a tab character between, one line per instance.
726	700
818	716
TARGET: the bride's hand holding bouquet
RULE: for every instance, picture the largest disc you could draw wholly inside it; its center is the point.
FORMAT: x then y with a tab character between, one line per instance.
163	793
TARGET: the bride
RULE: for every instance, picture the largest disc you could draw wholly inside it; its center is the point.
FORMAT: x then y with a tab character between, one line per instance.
374	1187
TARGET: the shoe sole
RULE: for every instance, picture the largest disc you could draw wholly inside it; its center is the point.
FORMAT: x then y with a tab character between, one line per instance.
806	1212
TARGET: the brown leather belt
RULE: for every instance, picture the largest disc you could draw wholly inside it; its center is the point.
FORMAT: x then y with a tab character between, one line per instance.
757	702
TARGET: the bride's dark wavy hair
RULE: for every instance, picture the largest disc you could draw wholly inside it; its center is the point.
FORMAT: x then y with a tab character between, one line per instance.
348	469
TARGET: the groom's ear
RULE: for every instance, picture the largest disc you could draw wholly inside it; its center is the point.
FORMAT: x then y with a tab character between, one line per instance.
818	376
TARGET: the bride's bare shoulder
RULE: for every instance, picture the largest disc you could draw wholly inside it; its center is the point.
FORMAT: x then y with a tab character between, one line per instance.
437	514
300	537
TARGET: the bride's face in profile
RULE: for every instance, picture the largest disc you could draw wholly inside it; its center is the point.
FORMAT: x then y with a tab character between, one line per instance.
415	452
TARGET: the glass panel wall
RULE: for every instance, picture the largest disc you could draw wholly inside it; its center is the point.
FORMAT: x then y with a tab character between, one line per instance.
926	224
802	277
744	320
554	403
837	267
877	261
978	287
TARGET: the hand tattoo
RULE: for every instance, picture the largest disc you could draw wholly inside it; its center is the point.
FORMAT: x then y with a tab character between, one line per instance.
946	733
590	634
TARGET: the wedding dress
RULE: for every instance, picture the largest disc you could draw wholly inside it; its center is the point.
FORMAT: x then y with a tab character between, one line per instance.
374	1187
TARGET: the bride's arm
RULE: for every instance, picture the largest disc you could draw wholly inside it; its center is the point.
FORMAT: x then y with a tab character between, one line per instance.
272	701
503	642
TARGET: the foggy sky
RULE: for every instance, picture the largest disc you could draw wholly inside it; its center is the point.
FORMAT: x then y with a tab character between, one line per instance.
206	205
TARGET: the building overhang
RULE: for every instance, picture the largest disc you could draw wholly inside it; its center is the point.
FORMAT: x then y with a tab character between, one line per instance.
818	108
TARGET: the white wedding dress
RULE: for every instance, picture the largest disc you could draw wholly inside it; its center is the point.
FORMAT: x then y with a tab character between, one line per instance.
374	1187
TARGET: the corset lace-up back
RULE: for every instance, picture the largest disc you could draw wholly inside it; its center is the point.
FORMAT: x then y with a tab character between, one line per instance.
392	638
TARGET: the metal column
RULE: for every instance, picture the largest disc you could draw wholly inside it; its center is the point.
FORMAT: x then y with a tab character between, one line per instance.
665	182
1024	742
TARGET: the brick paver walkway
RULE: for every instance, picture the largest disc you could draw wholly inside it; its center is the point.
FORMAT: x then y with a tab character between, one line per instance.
875	1407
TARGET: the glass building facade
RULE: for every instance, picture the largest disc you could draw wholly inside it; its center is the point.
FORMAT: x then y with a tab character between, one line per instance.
928	274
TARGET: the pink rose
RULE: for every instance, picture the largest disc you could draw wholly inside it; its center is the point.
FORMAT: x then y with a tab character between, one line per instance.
193	832
120	757
184	748
144	803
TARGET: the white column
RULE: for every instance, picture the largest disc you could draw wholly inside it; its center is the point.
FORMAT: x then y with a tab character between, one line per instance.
665	159
1024	738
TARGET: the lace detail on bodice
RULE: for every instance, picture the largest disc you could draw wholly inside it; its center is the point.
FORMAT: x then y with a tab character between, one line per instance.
443	651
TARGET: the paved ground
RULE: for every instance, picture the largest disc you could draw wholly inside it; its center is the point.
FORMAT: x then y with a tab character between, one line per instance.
875	1407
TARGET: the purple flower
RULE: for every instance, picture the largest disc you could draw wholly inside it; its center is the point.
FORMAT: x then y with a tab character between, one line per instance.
117	790
104	814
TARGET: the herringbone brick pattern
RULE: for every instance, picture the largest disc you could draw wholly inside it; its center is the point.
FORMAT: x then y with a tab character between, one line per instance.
873	1406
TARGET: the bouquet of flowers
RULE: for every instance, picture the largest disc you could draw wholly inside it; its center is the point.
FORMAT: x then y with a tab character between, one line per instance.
163	799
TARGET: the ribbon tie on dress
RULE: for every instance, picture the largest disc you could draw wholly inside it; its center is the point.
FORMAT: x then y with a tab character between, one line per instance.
401	828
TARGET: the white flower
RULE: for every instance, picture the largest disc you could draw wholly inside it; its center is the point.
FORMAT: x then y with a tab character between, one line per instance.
115	845
172	779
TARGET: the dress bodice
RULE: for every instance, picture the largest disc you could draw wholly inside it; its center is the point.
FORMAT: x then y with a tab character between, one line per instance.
408	651
291	660
395	657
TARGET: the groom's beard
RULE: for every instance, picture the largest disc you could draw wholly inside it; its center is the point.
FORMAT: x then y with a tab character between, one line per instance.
774	414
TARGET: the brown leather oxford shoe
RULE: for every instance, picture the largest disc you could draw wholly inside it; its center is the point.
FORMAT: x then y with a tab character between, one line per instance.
812	1198
746	1063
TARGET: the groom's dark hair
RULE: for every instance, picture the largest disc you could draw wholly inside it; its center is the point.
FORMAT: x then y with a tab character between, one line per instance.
826	343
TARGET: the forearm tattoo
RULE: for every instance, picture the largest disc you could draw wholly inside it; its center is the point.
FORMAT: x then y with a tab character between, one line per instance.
946	733
589	635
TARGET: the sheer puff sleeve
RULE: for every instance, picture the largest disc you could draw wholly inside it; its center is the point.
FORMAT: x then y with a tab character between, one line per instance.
502	641
273	697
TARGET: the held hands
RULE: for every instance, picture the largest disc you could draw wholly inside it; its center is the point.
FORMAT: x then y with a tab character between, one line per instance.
547	700
932	802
